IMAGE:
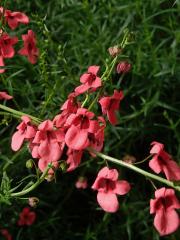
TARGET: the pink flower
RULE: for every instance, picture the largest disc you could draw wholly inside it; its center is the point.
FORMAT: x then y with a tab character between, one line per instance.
81	183
123	67
162	162
47	145
6	45
4	95
108	186
70	106
30	50
26	217
74	159
89	80
6	48
77	135
96	134
110	105
166	219
15	18
24	131
5	233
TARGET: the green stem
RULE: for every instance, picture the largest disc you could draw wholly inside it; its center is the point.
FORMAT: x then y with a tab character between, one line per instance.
35	185
19	114
85	101
105	78
136	169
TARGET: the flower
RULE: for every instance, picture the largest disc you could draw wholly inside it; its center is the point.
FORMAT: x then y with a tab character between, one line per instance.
47	145
96	134
110	105
26	217
108	186
15	18
5	233
81	183
162	162
4	95
77	135
89	80
24	131
30	50
166	219
6	48
123	67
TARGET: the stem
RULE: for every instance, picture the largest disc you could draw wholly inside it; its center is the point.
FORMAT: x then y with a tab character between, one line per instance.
35	185
136	169
19	114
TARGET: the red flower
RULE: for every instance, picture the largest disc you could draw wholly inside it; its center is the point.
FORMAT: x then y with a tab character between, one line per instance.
6	234
15	18
162	162
96	134
6	48
166	219
123	67
25	131
47	145
30	50
110	105
77	135
70	106
26	217
108	186
89	80
4	95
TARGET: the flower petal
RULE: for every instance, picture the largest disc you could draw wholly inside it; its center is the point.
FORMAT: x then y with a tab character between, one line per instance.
108	201
122	187
166	222
17	141
76	138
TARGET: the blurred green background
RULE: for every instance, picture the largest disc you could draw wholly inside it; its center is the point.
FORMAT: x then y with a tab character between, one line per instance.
73	35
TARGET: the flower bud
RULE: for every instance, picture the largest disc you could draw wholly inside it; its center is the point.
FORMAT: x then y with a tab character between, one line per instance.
33	201
114	51
81	183
129	159
63	166
123	67
29	163
49	177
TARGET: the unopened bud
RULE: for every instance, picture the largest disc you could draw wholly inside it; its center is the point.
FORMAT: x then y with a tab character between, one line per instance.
63	166
129	159
114	51
81	183
123	67
33	201
49	177
29	163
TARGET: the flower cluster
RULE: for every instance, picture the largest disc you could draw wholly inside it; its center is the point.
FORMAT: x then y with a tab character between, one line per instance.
7	42
72	131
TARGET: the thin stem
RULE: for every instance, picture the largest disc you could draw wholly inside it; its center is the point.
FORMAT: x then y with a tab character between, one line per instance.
136	169
19	114
86	99
35	185
144	160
